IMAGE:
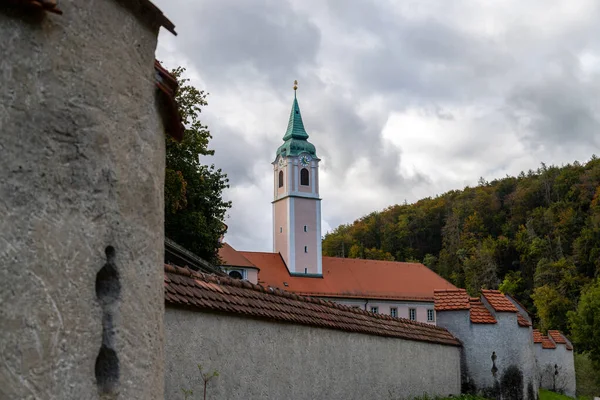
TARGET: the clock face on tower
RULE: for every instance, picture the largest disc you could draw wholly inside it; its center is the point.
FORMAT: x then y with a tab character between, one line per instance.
305	160
281	162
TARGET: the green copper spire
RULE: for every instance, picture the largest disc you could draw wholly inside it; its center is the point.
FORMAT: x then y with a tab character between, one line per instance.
295	137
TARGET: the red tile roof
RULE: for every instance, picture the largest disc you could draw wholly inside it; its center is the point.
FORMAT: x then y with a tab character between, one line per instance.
547	343
480	314
231	257
522	321
498	301
184	287
557	337
451	299
353	278
543	339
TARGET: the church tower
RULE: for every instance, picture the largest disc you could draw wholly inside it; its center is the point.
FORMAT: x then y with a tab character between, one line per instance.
296	203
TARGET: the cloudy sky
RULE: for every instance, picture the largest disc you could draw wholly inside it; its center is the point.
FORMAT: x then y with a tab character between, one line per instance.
403	99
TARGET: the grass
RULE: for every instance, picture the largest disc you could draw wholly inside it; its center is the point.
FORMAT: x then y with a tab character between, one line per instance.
588	383
461	397
549	395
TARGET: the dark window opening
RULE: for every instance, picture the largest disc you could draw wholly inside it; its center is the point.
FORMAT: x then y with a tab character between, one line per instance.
280	178
304	177
236	275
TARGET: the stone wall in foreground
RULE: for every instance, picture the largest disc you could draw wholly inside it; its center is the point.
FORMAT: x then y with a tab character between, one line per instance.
261	359
81	205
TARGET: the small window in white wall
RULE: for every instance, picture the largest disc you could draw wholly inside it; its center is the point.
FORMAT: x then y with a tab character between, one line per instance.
412	314
375	310
430	316
305	228
394	312
281	229
306	249
306	270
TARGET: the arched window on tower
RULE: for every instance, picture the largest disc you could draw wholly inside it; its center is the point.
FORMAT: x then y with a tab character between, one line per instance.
304	177
280	178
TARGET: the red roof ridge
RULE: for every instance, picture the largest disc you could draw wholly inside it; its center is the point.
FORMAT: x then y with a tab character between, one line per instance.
547	343
191	288
498	300
451	300
557	336
450	291
544	340
522	321
232	257
479	314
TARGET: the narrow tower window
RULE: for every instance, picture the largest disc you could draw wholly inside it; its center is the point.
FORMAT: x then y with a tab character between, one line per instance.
306	249
304	177
280	178
305	228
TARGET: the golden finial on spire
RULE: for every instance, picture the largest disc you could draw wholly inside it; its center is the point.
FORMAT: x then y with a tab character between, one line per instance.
295	85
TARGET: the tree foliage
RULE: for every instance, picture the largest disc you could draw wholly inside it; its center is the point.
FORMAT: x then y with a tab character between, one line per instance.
535	236
585	322
194	204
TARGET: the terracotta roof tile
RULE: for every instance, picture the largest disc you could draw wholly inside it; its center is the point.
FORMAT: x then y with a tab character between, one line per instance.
547	343
451	299
543	339
479	314
522	321
189	288
231	257
537	336
352	278
498	301
557	337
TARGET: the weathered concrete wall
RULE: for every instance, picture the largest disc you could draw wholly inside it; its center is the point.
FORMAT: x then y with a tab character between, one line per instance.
512	344
564	381
259	359
81	205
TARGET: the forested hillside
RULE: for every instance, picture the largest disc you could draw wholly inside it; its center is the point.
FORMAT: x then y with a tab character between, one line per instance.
535	236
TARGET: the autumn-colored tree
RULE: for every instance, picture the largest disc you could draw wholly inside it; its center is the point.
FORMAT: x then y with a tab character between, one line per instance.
535	236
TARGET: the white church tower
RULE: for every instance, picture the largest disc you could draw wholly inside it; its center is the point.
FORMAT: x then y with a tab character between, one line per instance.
296	203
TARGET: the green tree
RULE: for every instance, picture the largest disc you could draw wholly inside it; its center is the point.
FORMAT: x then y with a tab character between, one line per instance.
585	322
194	204
552	308
512	284
539	231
